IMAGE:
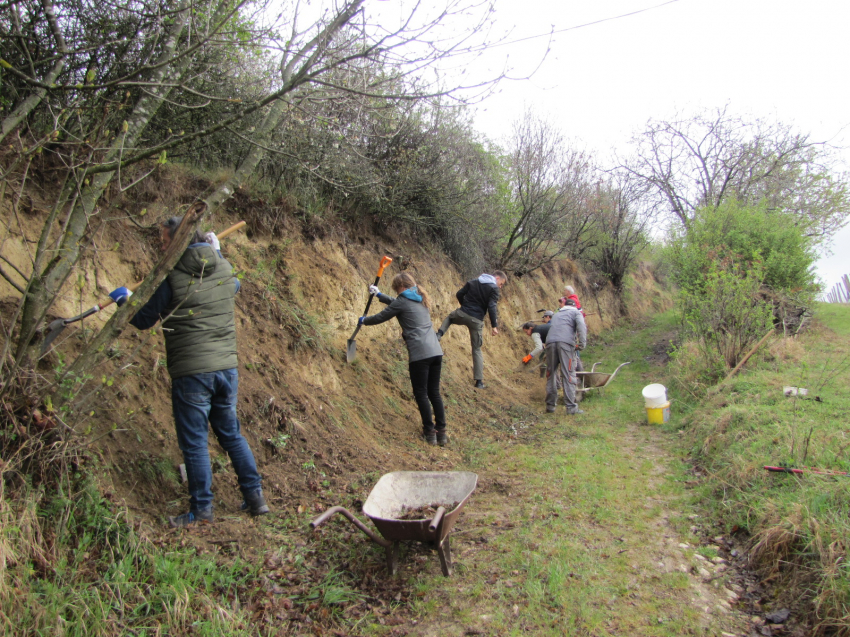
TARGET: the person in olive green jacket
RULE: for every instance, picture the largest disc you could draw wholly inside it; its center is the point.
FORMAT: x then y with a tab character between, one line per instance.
195	304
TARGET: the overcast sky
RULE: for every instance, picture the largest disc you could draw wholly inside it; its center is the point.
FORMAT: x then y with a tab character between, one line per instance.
778	59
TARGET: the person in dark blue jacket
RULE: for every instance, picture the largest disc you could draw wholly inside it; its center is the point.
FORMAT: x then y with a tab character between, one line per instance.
478	297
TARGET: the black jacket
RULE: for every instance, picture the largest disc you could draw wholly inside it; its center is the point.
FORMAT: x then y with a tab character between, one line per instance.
478	297
543	330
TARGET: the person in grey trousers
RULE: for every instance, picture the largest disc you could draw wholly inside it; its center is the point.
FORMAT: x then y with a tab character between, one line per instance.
478	297
567	335
425	355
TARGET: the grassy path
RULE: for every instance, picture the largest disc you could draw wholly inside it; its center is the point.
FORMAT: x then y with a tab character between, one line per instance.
583	526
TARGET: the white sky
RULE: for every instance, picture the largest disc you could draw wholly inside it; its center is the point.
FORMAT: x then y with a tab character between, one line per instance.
780	60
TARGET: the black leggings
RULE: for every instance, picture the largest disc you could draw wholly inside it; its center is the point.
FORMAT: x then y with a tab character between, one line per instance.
425	379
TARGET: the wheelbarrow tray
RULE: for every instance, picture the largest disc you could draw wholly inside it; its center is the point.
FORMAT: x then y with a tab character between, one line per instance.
593	379
596	380
400	491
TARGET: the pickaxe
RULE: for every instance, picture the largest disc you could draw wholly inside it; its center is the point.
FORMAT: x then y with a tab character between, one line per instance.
55	328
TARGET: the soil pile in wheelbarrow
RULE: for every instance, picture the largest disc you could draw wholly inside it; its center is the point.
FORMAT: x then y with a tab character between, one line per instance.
407	506
426	512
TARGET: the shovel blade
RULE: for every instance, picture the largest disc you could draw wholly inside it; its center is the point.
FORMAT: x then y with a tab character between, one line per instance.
351	350
53	330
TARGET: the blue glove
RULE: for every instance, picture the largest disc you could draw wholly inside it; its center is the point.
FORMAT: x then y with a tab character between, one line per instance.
120	295
360	320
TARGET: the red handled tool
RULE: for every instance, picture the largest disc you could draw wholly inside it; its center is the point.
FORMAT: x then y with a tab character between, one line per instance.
351	350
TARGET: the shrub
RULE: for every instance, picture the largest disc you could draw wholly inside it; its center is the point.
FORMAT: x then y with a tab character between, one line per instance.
749	236
729	315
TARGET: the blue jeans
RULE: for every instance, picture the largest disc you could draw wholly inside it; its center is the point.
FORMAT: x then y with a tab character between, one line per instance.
199	398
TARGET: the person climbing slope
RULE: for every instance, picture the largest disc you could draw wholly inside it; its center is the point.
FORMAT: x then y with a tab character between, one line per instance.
477	298
425	355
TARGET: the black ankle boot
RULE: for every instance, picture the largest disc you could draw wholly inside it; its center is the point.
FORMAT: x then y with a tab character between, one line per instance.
255	504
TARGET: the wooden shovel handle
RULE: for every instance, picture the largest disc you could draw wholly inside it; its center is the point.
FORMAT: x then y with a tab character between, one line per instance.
231	229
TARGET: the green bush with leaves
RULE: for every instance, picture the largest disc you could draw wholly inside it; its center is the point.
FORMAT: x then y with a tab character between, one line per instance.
729	315
747	235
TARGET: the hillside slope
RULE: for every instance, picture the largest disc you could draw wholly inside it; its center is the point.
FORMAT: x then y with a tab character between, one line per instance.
313	421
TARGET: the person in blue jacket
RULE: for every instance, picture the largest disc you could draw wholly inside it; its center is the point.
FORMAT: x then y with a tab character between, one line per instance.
425	356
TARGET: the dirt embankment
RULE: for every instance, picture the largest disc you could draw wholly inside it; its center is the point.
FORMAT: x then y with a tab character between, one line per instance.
314	422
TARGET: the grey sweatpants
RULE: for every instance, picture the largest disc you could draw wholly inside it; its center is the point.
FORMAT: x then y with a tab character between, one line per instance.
561	361
476	338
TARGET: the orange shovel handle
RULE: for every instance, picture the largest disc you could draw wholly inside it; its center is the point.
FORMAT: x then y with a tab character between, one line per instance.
384	263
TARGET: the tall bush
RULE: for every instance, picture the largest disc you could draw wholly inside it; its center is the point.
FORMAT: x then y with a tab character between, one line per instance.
754	237
729	315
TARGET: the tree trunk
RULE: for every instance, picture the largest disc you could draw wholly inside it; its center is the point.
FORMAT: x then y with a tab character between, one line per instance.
44	287
34	99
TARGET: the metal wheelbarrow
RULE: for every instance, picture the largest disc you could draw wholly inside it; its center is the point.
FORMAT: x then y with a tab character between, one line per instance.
401	491
595	380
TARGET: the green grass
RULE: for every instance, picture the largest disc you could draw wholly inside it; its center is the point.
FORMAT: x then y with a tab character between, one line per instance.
103	578
799	524
572	533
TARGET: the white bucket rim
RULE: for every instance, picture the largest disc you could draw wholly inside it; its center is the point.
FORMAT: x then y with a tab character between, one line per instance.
655	395
654	390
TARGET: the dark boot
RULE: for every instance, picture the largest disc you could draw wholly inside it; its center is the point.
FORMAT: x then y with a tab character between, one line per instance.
442	438
190	518
479	384
255	503
430	437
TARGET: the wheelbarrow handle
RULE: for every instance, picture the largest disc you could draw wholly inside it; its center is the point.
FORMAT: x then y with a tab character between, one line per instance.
356	522
438	517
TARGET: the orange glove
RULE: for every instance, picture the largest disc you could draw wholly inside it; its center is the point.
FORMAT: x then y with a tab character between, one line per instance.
526	359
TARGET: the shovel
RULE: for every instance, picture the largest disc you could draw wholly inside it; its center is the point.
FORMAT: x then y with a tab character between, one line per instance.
55	328
351	350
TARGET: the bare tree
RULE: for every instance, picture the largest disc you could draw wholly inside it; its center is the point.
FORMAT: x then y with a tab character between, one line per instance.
95	121
550	214
706	159
622	224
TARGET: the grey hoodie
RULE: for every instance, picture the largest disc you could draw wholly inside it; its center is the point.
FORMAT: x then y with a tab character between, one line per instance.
416	327
568	326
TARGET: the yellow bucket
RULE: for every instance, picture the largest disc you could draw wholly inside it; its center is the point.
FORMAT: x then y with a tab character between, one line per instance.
658	415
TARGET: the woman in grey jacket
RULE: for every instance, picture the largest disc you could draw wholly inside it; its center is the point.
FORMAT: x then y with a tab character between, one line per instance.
425	355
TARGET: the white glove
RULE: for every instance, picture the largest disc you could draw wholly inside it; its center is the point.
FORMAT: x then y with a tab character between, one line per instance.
373	289
213	240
